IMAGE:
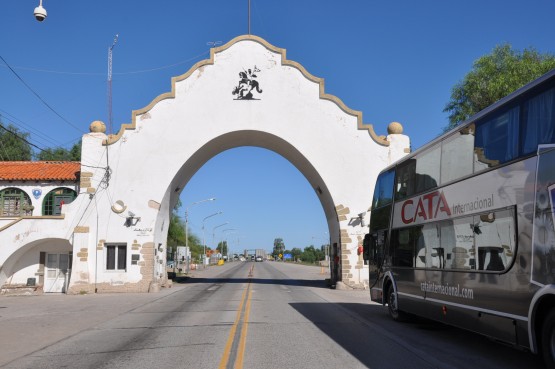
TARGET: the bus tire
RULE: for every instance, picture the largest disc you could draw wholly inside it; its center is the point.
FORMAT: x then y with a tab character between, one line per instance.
548	340
393	307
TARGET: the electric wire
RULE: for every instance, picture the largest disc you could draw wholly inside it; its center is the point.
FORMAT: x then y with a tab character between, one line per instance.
21	138
19	123
13	119
38	96
115	73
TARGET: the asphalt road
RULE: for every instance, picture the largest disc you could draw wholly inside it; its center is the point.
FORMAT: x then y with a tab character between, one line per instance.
242	315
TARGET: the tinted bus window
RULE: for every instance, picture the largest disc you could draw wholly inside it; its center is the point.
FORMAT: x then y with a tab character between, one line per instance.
383	193
457	237
457	155
495	240
405	180
403	244
539	121
380	218
427	169
497	140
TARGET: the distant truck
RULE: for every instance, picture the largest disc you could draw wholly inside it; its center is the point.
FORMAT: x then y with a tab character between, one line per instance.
260	253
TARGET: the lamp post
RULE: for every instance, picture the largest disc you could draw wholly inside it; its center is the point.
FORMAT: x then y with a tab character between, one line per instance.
203	242
187	228
224	239
214	230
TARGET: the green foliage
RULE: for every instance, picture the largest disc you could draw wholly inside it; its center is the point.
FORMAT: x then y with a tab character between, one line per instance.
13	147
176	231
61	154
279	247
296	253
222	247
176	235
493	77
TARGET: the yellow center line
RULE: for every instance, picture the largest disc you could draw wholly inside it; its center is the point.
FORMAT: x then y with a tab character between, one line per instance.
243	340
241	322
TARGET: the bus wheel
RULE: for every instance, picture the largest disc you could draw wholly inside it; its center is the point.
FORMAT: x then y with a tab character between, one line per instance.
393	307
548	340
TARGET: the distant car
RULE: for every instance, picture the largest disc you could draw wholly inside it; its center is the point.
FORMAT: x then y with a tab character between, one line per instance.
259	258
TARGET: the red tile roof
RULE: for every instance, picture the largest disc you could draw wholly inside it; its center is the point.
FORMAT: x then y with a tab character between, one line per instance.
39	170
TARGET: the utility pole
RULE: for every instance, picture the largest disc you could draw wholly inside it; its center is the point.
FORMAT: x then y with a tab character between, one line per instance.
110	49
249	18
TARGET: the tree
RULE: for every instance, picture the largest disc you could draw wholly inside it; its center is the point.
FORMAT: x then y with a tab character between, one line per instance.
279	247
176	235
309	254
296	253
493	77
14	145
222	247
61	154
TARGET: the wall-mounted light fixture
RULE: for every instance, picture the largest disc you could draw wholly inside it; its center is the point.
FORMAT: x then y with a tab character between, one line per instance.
131	219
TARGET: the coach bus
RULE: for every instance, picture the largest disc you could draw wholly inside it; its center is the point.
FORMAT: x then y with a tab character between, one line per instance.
462	230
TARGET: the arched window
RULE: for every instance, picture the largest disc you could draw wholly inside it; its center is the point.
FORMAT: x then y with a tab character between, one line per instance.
15	202
55	199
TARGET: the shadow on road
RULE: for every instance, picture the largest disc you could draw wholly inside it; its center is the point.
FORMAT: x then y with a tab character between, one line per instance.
285	282
367	332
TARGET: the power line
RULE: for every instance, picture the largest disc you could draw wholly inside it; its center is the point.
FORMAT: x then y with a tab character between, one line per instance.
25	126
38	96
116	73
21	138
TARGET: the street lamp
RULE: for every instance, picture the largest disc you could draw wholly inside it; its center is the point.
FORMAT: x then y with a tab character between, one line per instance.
214	230
225	239
203	242
187	228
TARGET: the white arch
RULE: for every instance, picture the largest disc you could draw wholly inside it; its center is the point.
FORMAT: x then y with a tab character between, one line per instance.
153	157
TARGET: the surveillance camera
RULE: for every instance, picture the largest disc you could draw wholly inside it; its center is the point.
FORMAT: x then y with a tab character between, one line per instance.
40	13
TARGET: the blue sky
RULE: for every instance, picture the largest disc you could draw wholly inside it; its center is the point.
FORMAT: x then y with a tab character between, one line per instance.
392	60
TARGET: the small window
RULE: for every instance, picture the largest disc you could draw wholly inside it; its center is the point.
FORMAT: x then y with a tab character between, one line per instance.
383	193
56	199
116	257
15	202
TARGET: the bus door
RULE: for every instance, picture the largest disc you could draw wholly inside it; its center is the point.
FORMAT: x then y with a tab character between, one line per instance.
543	238
373	251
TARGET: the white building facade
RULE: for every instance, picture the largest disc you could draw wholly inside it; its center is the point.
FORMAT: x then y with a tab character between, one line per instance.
246	94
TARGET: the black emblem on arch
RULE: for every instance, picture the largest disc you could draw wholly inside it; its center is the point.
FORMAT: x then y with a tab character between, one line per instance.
247	85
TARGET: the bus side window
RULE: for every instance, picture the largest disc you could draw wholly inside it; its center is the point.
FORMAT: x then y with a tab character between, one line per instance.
457	237
495	239
405	180
402	247
539	122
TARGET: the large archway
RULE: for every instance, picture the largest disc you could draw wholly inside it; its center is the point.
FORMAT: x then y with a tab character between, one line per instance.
246	94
